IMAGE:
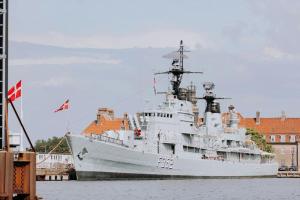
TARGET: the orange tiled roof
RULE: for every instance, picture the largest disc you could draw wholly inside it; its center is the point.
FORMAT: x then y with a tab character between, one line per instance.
273	125
269	125
105	121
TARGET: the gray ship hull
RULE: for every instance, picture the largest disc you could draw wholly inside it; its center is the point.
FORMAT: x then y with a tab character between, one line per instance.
98	160
94	176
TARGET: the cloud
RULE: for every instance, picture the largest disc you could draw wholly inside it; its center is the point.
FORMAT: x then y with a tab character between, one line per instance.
274	53
54	82
280	22
70	60
277	54
234	32
158	39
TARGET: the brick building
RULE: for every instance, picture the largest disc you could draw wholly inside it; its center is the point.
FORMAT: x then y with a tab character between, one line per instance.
282	133
106	121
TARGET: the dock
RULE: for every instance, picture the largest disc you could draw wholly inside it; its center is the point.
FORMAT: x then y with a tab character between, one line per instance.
288	174
52	175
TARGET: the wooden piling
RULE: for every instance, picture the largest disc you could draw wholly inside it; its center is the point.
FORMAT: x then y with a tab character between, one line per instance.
6	175
17	175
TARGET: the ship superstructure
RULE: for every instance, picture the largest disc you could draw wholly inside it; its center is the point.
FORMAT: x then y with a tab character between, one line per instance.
171	141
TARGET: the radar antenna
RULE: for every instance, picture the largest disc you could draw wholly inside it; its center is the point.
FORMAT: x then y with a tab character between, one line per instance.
177	69
209	96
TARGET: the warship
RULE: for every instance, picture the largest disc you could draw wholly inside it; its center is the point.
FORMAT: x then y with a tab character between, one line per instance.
173	141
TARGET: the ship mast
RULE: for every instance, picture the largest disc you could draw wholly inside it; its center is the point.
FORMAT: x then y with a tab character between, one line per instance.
177	69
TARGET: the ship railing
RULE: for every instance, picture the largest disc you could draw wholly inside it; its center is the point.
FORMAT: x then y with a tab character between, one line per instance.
108	139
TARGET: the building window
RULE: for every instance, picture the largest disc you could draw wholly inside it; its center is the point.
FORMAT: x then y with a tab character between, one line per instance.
272	138
292	138
282	138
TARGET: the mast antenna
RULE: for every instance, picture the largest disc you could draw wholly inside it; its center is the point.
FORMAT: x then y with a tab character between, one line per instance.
177	68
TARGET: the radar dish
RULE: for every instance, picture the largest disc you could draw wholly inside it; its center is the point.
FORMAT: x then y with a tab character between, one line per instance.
208	85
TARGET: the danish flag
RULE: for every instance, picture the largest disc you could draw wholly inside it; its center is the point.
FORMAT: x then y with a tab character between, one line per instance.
65	106
15	91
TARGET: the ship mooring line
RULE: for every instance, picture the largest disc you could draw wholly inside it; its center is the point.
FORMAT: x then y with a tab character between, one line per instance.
50	152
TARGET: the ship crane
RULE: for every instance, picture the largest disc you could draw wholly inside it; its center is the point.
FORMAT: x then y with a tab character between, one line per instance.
177	69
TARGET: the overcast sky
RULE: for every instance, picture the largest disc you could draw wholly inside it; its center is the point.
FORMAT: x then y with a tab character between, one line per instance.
103	53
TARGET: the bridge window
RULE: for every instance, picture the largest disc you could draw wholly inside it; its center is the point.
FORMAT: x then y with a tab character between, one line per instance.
158	114
150	114
170	115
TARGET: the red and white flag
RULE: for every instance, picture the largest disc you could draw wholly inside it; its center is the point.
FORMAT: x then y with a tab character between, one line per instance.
15	91
65	106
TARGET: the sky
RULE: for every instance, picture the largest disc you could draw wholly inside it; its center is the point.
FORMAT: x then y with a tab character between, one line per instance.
104	53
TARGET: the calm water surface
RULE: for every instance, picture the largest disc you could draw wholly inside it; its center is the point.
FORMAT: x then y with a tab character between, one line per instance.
211	189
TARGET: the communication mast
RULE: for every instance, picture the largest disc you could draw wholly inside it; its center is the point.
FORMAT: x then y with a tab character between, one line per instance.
177	69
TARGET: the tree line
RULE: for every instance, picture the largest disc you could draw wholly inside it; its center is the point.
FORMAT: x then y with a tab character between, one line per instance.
45	146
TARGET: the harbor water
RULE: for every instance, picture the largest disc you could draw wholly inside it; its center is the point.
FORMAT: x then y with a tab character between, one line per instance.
212	189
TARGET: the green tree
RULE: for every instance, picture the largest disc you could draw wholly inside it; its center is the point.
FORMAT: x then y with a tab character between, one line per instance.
259	140
45	146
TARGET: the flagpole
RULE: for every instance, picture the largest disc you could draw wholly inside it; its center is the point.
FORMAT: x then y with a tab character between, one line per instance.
68	121
68	118
22	133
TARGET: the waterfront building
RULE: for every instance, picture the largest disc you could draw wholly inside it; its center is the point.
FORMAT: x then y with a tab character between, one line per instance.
53	166
106	121
283	133
53	161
